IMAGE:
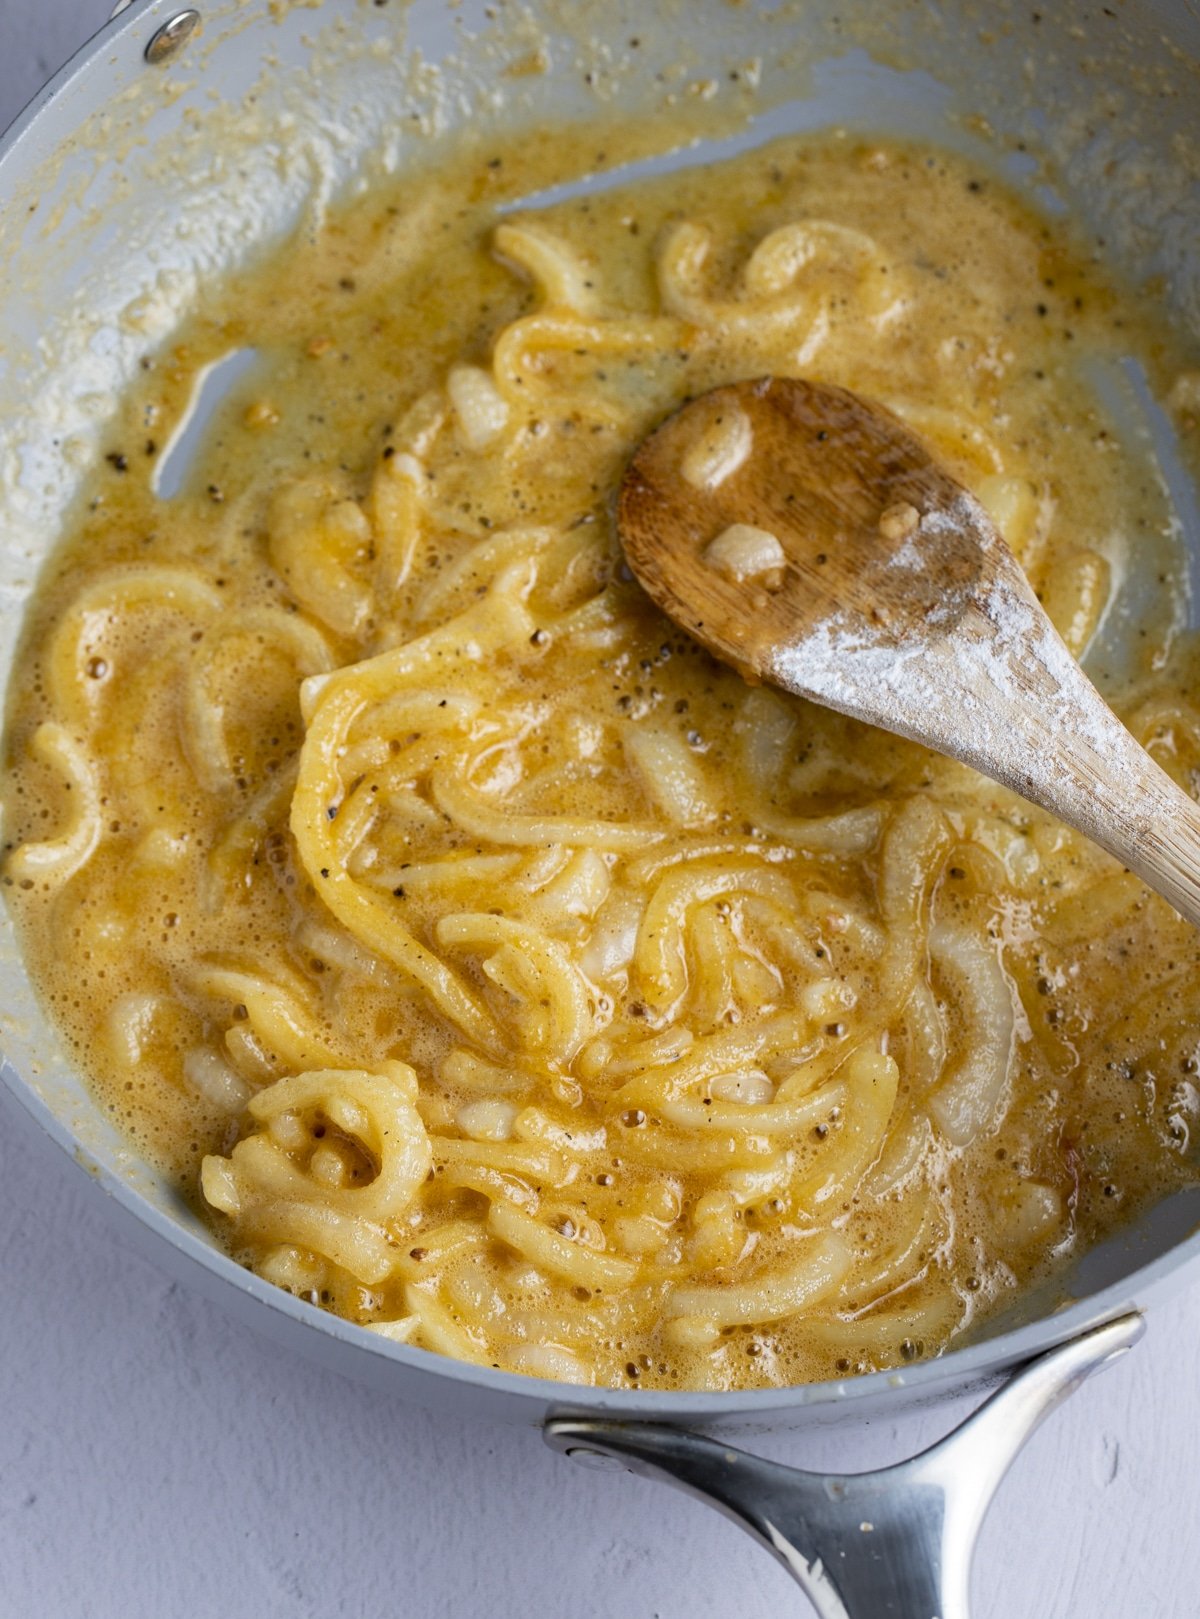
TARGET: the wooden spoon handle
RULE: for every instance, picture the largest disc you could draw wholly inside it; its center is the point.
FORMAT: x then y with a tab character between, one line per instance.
1002	693
1077	760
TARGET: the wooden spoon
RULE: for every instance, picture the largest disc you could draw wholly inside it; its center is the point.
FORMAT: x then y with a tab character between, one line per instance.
805	536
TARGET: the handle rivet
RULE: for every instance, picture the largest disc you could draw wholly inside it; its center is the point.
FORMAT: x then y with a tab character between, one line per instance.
172	37
596	1459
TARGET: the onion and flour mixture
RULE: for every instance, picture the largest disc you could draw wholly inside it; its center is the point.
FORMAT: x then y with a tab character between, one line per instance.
499	971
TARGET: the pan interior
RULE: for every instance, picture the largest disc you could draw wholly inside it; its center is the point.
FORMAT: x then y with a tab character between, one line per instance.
131	185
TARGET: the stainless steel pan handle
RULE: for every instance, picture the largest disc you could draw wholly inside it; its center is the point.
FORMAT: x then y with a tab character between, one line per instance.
891	1544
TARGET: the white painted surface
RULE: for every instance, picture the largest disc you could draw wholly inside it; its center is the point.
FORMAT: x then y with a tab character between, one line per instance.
157	1462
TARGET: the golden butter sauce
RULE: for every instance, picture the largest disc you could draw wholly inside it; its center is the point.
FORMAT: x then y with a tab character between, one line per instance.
495	968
